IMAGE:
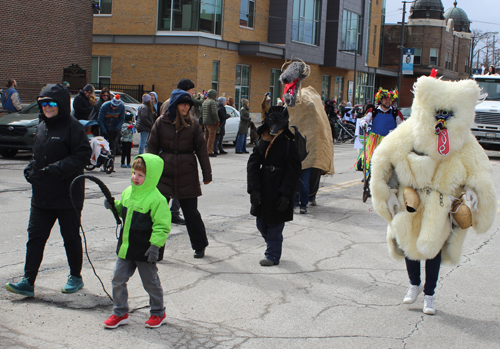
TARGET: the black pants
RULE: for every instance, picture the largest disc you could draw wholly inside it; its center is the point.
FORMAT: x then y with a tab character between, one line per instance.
126	150
112	140
314	183
39	227
194	223
431	273
219	137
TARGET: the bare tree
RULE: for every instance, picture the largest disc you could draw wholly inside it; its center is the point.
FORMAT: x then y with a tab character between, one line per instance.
485	51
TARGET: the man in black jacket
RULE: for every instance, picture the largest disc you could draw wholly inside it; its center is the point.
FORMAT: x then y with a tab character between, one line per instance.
60	153
81	103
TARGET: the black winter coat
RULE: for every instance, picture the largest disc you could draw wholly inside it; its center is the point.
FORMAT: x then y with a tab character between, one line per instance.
82	106
274	174
60	153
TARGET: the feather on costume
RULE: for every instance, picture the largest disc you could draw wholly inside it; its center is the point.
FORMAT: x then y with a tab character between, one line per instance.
434	153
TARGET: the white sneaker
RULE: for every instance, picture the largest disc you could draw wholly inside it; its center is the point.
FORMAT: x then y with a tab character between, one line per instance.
429	308
412	294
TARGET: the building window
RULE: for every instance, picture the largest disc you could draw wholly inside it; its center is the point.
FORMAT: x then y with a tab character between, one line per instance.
247	13
339	83
351	28
305	25
190	15
374	40
325	88
242	84
215	76
466	64
364	87
105	6
433	57
418	53
101	70
275	89
447	61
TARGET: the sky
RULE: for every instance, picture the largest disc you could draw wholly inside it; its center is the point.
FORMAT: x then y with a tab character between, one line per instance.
484	14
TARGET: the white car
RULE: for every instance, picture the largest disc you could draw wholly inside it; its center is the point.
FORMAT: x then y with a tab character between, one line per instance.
131	104
232	124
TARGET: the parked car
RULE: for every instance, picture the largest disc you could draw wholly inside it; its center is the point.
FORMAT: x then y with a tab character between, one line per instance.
131	104
17	130
232	124
406	111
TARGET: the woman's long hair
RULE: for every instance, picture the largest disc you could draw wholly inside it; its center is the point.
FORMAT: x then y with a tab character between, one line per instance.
103	91
180	122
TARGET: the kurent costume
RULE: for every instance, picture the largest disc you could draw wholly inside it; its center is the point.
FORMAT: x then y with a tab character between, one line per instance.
382	123
419	174
306	111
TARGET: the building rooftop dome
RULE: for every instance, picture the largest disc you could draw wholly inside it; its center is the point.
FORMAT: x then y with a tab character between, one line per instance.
431	9
461	21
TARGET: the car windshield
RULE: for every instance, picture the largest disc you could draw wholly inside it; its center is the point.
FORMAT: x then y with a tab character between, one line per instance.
31	109
491	87
127	99
231	111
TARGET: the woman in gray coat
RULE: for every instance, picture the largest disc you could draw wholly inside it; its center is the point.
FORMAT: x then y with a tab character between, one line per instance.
241	141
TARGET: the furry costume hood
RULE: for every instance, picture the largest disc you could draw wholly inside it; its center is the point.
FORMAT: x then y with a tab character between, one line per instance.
431	95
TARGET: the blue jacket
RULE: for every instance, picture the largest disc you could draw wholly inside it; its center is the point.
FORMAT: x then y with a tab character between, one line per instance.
7	99
109	119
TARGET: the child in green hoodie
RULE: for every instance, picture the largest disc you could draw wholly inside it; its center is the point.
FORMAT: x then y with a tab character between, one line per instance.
146	224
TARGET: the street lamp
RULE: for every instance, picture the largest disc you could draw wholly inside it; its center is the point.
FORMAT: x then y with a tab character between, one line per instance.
355	51
401	47
493	63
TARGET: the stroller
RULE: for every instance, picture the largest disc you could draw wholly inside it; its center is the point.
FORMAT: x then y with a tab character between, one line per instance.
345	131
101	153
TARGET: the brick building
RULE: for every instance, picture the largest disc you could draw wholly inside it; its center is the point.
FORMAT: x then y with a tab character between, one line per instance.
234	46
41	38
441	41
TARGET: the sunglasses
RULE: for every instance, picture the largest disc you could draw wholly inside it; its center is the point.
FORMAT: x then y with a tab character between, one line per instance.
51	104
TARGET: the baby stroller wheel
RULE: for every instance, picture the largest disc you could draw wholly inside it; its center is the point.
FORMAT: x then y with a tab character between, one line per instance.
89	167
109	165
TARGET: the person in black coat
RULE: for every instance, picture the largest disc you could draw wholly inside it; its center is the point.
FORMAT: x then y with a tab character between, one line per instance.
81	103
60	153
273	172
221	129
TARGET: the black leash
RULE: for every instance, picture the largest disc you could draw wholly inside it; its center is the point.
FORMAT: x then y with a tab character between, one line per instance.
111	200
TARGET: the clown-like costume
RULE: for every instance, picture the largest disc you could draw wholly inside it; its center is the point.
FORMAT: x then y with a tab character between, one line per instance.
424	173
384	118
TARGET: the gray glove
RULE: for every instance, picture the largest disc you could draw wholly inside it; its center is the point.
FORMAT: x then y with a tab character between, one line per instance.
107	205
152	254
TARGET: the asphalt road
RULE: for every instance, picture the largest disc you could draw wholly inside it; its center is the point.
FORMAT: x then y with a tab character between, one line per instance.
336	286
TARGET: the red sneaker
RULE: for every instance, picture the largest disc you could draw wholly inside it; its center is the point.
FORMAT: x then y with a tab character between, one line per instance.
115	321
156	321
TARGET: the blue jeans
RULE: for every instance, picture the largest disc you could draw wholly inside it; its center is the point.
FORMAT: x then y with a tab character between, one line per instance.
305	178
241	143
144	142
273	235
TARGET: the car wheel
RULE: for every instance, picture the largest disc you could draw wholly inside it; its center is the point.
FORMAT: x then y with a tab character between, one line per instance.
8	153
109	165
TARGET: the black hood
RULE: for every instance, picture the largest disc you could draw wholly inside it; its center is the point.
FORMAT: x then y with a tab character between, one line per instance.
60	94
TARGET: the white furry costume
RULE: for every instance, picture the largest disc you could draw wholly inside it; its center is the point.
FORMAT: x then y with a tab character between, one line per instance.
411	152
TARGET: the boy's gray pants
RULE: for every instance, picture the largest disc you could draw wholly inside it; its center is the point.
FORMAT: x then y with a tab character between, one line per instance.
124	269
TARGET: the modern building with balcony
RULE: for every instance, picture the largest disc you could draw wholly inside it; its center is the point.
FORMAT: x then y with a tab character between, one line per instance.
236	46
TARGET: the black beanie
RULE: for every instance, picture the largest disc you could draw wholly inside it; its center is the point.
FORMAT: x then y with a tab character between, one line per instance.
185	84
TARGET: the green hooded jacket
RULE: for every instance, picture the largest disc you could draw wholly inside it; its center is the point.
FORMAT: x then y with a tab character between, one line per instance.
145	213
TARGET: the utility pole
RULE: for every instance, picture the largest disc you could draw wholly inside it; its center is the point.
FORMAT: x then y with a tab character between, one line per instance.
401	47
493	60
